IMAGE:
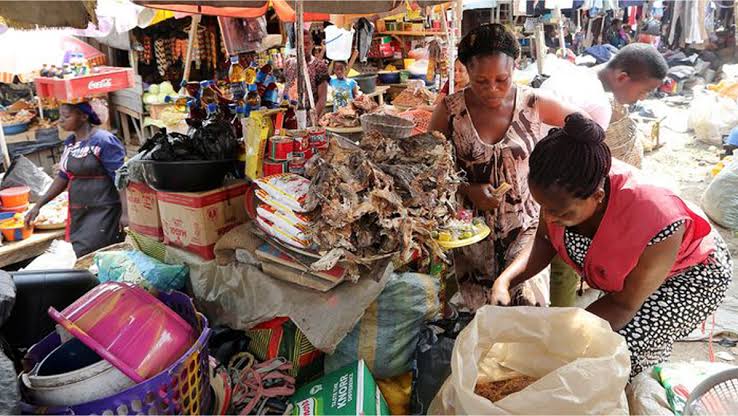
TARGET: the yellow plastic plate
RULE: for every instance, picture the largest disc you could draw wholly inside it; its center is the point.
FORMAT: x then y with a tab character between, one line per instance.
484	231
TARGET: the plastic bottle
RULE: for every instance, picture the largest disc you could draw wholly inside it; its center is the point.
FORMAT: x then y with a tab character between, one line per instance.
67	72
250	73
236	78
208	95
236	120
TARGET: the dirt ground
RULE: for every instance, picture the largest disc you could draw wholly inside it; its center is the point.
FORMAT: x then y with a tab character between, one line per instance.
685	163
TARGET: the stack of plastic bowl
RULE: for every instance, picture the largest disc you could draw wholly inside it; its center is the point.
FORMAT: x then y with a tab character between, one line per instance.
125	351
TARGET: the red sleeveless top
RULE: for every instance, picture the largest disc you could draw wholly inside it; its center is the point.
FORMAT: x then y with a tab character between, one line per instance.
636	211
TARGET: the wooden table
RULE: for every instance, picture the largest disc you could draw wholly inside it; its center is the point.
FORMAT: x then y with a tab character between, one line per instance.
13	252
379	93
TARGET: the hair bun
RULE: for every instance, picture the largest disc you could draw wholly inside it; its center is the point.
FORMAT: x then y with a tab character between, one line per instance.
583	129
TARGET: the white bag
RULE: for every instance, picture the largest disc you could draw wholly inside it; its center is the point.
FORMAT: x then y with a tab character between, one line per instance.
711	117
582	366
720	201
338	43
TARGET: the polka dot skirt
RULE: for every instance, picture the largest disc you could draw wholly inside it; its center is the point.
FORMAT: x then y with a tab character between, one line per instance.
676	308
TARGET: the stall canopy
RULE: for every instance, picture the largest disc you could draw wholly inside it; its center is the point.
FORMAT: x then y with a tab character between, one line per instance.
25	51
56	14
315	10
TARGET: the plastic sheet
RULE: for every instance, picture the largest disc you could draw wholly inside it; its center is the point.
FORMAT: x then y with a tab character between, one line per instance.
213	140
23	172
138	268
9	393
7	296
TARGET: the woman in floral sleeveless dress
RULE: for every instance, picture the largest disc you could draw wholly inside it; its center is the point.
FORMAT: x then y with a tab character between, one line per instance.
494	125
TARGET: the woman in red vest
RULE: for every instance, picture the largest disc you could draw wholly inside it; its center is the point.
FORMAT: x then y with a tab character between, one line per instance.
662	269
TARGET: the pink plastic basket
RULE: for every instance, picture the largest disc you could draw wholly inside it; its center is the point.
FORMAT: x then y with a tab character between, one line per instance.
181	389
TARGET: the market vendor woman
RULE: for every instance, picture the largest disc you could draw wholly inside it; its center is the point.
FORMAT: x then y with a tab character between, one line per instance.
91	157
661	266
494	125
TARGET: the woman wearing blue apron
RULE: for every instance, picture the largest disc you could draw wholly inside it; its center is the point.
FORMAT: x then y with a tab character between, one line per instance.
87	170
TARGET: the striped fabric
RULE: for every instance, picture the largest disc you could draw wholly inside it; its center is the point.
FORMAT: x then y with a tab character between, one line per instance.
280	337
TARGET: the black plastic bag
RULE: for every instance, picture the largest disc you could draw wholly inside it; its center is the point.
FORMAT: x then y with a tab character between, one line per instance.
215	140
432	361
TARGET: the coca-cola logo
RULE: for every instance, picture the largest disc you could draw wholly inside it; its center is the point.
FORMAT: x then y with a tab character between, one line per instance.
103	83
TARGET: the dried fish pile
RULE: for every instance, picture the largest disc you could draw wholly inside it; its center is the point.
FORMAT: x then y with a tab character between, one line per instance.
383	198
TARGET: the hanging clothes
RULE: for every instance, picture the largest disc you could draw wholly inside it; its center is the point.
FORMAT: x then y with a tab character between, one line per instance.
364	31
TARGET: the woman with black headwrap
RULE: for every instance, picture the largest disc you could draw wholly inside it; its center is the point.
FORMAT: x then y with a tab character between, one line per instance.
662	267
91	157
494	125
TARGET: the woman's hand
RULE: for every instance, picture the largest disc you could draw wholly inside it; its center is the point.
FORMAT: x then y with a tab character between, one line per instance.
32	214
483	196
499	295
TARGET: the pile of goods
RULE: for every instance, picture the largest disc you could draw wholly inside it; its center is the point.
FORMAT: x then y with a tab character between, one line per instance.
21	117
383	198
282	213
53	214
461	231
214	140
159	93
349	116
497	390
414	97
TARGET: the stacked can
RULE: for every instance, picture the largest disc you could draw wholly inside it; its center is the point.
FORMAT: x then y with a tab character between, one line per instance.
280	149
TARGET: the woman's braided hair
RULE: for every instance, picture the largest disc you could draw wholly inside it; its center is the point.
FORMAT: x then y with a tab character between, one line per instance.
488	39
574	158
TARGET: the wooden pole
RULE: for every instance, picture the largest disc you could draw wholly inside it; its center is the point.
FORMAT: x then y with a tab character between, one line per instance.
451	45
190	41
562	41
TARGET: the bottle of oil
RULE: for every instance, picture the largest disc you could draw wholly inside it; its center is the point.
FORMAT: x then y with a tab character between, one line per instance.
208	95
250	74
236	78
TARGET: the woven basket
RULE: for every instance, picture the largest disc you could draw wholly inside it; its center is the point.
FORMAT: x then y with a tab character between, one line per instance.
622	138
387	125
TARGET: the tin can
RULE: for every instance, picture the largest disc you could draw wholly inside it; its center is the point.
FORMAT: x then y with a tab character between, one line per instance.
274	167
317	137
307	154
280	147
297	166
300	139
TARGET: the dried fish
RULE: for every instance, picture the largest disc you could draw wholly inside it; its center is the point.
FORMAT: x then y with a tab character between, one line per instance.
380	199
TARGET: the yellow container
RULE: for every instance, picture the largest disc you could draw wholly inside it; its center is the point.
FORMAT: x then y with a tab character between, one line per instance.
407	63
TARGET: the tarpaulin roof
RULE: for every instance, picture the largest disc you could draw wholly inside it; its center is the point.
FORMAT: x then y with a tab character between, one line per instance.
315	10
55	14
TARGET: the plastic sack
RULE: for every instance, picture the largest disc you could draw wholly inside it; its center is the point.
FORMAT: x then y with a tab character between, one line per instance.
582	366
298	240
140	269
23	172
432	359
712	117
288	189
720	201
680	379
256	130
59	255
338	43
386	336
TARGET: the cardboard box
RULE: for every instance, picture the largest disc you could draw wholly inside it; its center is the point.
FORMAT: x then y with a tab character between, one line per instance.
143	210
196	220
279	265
348	391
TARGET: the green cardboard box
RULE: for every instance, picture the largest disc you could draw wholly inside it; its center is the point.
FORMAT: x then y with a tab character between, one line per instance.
350	390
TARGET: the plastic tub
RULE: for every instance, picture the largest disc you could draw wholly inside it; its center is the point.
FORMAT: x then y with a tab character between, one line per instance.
367	82
15	230
16	196
129	327
186	176
389	77
14	210
16	128
73	374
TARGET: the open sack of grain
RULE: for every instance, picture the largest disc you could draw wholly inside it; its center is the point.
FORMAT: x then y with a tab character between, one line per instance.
527	360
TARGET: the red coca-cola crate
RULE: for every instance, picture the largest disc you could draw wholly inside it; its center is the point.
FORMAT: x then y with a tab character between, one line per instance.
109	79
